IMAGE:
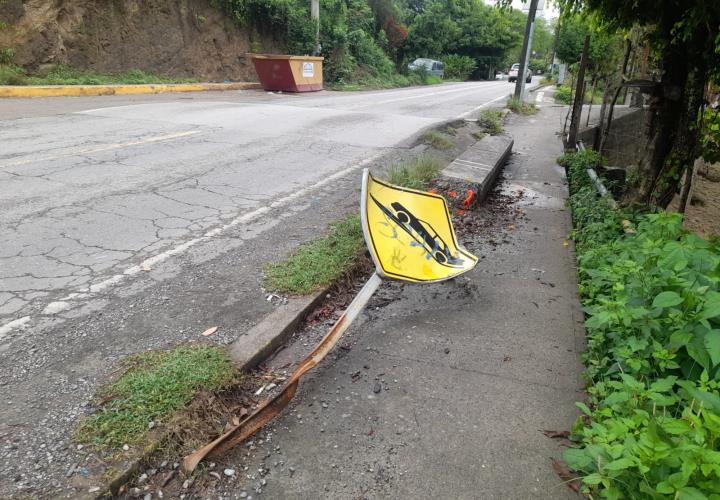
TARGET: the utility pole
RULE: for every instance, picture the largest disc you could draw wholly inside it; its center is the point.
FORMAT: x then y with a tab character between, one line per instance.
315	16
579	96
525	54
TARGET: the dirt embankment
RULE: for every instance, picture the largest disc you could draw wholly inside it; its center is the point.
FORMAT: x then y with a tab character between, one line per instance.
189	38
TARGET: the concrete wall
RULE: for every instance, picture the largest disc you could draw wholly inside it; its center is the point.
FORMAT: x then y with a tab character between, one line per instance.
624	143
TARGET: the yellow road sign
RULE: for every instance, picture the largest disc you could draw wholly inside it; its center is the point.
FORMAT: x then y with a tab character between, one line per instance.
409	233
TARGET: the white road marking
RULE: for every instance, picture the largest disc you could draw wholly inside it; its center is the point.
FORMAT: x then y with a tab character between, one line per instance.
179	249
468	113
98	149
418	96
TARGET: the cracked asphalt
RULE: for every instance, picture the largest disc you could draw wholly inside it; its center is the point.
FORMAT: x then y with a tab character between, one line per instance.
134	222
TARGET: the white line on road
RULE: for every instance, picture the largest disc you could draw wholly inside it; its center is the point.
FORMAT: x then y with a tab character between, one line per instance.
96	288
468	113
98	149
418	96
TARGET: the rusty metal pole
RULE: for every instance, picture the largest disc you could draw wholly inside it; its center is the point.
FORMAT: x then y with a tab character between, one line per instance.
579	96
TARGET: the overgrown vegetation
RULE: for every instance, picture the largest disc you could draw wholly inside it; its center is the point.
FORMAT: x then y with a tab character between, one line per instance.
369	43
328	259
491	121
320	262
63	75
416	174
437	140
564	94
520	107
153	387
650	289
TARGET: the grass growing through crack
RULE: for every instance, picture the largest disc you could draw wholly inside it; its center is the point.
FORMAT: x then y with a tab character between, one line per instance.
520	107
325	260
154	386
491	121
437	140
415	174
320	262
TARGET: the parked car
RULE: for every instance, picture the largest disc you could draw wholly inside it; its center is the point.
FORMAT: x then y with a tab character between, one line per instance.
513	74
436	68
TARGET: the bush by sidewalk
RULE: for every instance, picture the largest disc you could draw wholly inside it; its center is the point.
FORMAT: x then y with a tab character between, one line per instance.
651	292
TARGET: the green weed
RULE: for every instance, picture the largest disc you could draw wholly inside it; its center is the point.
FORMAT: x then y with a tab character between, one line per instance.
520	107
564	94
437	140
11	75
491	121
153	387
64	75
415	174
320	262
651	292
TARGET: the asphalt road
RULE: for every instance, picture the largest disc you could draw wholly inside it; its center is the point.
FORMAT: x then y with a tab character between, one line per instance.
94	187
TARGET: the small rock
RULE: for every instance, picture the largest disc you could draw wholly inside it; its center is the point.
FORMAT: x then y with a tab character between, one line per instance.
80	447
160	494
135	492
229	472
94	489
377	388
148	496
292	470
243	494
215	475
126	447
142	478
151	424
187	483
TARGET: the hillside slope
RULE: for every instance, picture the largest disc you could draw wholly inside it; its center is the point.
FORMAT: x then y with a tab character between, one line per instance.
172	37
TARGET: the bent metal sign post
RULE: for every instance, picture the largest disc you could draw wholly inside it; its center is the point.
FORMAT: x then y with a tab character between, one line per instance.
410	236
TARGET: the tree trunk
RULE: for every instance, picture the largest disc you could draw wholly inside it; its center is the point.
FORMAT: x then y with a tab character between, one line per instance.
670	130
603	110
592	98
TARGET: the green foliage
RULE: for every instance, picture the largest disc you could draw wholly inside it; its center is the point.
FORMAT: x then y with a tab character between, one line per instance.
415	174
320	262
437	140
605	50
651	292
154	385
520	107
459	67
6	55
564	94
11	75
64	75
710	136
491	121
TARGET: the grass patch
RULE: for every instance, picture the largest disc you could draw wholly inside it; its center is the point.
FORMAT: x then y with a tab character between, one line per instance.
437	140
153	387
415	174
328	259
320	262
491	121
479	135
64	75
522	108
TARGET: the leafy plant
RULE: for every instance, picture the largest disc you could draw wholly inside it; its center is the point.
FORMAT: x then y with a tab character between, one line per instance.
651	292
459	67
6	55
437	140
491	121
564	94
415	174
520	107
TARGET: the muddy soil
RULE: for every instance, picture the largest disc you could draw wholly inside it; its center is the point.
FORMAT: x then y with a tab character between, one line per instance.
192	38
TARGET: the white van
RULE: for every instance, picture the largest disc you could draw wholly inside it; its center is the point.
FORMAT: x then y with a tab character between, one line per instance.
436	68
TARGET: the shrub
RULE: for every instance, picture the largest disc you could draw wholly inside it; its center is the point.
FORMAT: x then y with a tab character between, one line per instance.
491	122
520	107
459	67
651	294
6	55
11	75
564	94
437	140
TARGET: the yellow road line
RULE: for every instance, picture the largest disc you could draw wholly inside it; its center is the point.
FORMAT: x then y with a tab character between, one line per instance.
89	90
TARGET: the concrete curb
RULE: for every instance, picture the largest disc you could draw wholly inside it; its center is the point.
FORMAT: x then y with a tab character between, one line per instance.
91	90
263	339
481	163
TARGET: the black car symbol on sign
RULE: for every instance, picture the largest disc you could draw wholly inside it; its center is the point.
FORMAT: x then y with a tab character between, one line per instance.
422	232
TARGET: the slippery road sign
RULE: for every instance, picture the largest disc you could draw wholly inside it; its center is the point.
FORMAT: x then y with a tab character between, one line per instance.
409	233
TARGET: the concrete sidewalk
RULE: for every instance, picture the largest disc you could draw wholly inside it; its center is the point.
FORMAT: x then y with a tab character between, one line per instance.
447	387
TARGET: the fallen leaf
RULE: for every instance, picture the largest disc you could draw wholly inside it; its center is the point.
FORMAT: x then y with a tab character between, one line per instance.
566	475
243	412
452	194
209	331
511	227
235	421
566	243
147	269
557	434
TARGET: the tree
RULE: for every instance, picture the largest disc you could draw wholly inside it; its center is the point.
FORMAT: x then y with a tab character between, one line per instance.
685	36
